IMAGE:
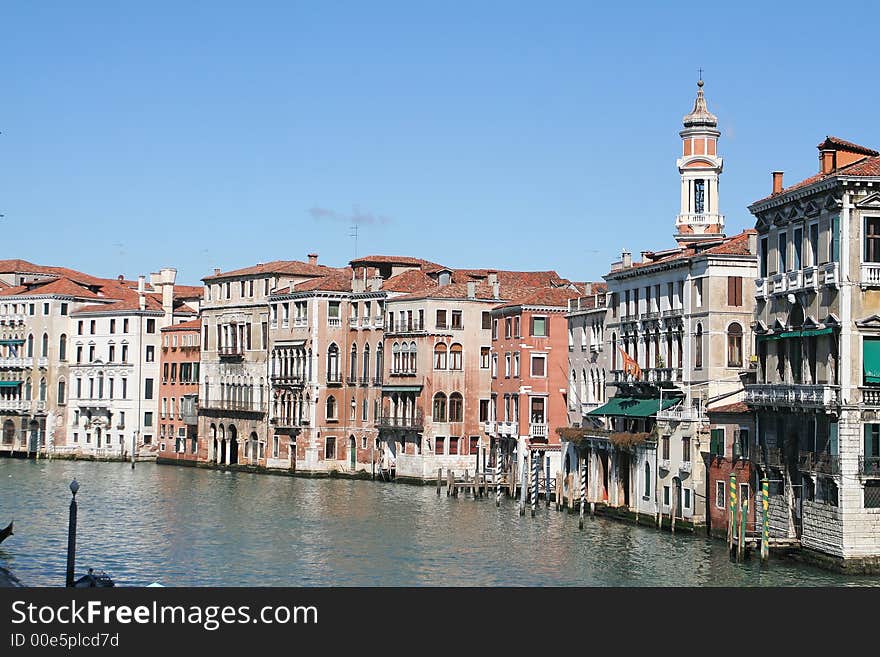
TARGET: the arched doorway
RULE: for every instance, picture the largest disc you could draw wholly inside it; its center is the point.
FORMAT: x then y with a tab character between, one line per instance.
253	446
222	443
233	444
33	436
8	432
676	498
352	452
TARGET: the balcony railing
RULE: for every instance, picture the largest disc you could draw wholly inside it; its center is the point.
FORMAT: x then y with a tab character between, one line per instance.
14	405
681	413
654	314
402	373
870	274
512	429
288	379
869	466
353	322
586	407
685	466
334	321
334	378
761	288
673	312
821	462
811	278
629	318
769	456
870	396
364	381
17	363
416	423
489	427
43	363
404	327
778	283
377	380
351	380
538	430
792	395
231	351
793	280
830	273
12	319
300	322
232	405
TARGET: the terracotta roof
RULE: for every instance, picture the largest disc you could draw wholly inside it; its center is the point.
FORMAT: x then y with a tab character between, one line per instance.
738	407
291	267
4	285
544	296
734	245
188	291
836	143
452	291
185	326
60	286
338	281
405	261
130	303
409	282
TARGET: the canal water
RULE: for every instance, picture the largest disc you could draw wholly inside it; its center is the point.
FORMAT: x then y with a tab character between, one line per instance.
193	527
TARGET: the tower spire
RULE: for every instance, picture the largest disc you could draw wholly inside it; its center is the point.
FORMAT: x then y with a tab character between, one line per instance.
699	167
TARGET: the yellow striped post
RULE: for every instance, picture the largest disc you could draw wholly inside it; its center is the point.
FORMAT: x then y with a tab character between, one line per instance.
765	524
731	512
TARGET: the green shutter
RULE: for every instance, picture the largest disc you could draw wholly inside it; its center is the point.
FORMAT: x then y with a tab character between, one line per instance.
871	359
716	442
832	437
835	240
871	442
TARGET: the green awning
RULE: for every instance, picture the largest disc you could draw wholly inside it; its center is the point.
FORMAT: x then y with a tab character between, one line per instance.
805	333
390	388
871	359
9	384
12	342
634	407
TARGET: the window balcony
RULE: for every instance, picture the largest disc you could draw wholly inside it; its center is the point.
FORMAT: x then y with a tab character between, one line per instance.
870	274
793	280
512	429
43	363
351	380
761	286
353	322
377	381
402	373
334	379
663	464
681	413
404	328
300	322
820	462
17	363
231	351
787	395
586	407
830	273
334	322
288	379
770	456
778	283
12	320
672	312
869	466
537	430
489	427
685	466
811	278
364	381
415	423
14	405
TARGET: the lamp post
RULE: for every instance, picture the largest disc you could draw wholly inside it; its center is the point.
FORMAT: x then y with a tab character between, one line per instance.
71	534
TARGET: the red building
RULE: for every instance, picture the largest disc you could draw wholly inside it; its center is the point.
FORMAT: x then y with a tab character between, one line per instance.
179	391
732	430
529	368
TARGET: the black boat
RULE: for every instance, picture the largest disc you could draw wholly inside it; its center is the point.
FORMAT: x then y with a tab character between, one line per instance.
6	532
92	580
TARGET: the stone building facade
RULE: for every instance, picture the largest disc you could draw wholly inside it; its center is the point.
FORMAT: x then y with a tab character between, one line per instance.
179	392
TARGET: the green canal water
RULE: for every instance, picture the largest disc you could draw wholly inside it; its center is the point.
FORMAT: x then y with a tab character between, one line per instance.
193	527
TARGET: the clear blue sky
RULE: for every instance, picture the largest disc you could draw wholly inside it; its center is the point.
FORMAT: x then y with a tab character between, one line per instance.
517	135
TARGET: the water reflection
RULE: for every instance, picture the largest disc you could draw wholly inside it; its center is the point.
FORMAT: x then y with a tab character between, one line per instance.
183	526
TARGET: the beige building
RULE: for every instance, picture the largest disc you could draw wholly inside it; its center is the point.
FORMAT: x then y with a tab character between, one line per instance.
817	321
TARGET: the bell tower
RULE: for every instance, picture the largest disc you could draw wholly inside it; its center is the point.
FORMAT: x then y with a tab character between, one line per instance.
699	166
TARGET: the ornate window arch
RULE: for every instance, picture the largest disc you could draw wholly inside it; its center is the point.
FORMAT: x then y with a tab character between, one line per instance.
440	356
439	410
455	357
734	345
456	407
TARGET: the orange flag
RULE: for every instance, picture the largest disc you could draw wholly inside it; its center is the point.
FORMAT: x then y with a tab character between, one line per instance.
630	366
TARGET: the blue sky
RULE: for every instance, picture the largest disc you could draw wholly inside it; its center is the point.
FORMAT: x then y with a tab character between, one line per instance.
516	135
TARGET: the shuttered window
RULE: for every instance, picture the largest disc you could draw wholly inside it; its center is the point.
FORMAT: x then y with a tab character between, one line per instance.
871	360
734	291
716	442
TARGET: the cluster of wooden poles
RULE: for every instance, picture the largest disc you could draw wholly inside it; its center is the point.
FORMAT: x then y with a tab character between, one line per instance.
737	517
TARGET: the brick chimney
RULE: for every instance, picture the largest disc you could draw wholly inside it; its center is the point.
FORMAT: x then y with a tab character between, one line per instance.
827	161
472	289
777	182
313	258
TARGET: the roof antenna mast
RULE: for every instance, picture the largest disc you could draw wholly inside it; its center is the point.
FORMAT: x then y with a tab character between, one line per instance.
354	233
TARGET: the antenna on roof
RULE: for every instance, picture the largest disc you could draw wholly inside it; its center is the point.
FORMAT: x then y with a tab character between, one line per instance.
354	233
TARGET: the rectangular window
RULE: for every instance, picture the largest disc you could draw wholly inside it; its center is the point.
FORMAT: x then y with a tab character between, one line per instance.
665	448
64	308
151	353
834	246
871	361
125	326
125	353
686	449
151	325
441	319
113	326
507	366
666	496
698	292
872	239
484	358
687	498
814	244
720	494
45	308
782	253
330	447
457	319
487	320
716	442
539	327
508	327
92	327
734	291
439	443
797	247
148	388
494	329
539	365
484	410
516	364
124	388
762	258
516	332
148	419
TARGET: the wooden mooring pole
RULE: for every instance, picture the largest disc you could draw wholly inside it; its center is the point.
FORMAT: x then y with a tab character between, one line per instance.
500	471
765	521
535	473
439	480
731	512
583	493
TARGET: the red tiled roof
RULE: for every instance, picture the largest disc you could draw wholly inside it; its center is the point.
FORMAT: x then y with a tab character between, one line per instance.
507	277
60	286
452	291
290	267
405	261
836	143
4	285
338	281
185	326
188	291
734	245
129	303
738	407
409	282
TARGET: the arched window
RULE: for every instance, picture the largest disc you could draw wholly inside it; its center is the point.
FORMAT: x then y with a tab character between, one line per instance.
366	372
440	356
27	389
455	357
30	346
456	407
333	363
331	407
62	347
353	365
43	389
61	391
44	348
647	479
614	351
698	346
572	390
395	357
8	432
413	350
379	361
734	345
439	407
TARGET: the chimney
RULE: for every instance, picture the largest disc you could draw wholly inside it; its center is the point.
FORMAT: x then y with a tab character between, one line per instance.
625	259
472	289
120	278
753	243
777	182
168	276
496	290
216	271
646	256
588	289
827	161
313	258
142	300
493	277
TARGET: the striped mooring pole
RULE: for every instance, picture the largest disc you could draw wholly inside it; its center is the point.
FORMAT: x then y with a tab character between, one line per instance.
499	470
765	520
731	513
536	468
583	492
741	543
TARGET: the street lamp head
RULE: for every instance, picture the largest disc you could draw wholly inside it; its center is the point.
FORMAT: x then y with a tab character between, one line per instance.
74	487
